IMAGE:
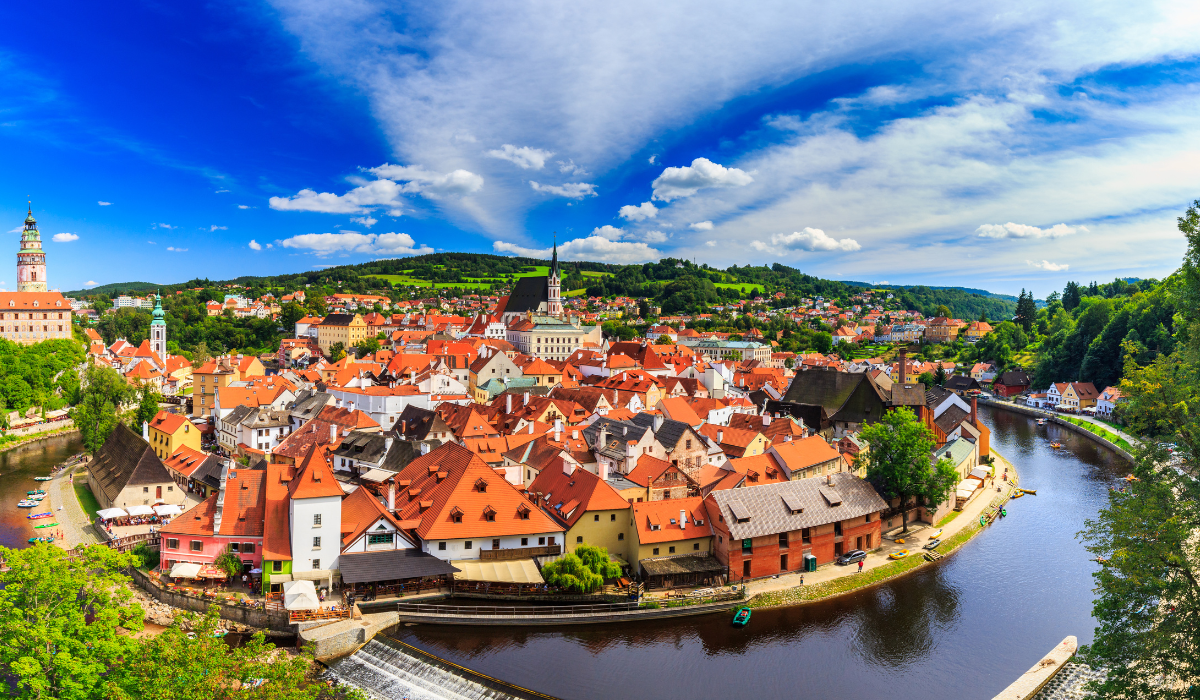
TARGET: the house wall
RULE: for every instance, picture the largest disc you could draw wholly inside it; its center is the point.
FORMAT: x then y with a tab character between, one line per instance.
211	548
458	549
766	553
697	545
140	495
301	511
360	544
165	443
268	567
603	528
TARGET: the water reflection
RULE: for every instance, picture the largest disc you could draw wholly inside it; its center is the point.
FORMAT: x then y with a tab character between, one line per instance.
985	614
18	466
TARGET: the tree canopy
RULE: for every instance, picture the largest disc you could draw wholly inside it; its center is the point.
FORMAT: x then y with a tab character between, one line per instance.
899	462
583	570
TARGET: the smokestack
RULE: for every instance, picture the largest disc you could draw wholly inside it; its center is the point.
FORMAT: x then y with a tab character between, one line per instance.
146	431
903	365
682	519
631	456
392	495
424	448
602	467
568	468
603	436
658	421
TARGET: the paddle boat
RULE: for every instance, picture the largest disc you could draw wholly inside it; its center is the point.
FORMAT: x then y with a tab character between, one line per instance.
38	527
35	516
26	504
35	497
36	492
741	617
43	478
899	554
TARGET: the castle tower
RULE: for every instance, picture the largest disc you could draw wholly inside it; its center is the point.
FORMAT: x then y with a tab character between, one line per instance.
554	285
31	261
158	330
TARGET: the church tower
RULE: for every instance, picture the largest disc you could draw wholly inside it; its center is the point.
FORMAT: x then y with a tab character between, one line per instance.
554	286
31	261
158	331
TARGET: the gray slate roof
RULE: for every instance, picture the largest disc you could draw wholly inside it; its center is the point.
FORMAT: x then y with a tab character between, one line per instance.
764	511
365	447
391	565
950	418
528	295
126	460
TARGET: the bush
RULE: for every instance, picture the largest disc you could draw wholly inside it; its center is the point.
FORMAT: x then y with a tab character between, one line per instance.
581	571
147	558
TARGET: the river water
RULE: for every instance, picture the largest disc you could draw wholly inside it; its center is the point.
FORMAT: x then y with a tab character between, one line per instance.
961	629
18	466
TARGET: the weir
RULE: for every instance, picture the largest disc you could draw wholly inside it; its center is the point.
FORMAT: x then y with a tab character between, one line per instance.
388	669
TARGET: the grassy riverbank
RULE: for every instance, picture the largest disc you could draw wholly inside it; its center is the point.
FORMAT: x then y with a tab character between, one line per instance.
87	500
1097	430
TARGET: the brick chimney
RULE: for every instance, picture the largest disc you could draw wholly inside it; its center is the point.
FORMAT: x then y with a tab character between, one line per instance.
903	365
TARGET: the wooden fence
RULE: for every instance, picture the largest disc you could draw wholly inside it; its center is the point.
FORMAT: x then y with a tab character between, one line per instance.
519	553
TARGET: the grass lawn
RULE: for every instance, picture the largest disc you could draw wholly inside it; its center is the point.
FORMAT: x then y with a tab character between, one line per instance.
949	516
1093	428
414	282
575	293
739	285
587	273
86	500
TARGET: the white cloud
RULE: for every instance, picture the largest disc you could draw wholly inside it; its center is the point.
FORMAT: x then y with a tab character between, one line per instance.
255	245
654	237
612	233
1011	230
367	221
166	226
104	204
675	183
643	211
592	248
220	191
395	180
64	237
569	168
176	250
214	227
571	190
91	283
456	183
701	226
243	206
810	239
524	156
711	244
1048	266
652	159
324	244
151	242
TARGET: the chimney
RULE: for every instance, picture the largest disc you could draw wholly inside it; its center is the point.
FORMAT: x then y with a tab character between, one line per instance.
568	467
603	436
424	448
720	436
682	519
508	403
332	433
392	495
658	421
531	427
903	364
766	419
387	444
829	479
146	431
631	456
557	430
602	468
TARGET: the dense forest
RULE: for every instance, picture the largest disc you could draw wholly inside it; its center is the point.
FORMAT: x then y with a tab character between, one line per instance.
43	374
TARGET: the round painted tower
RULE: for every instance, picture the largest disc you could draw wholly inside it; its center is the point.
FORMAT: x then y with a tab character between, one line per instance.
31	260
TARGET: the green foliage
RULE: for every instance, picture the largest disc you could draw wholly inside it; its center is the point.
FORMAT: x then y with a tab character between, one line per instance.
188	325
367	346
1026	311
581	571
899	465
102	394
147	408
61	620
337	351
229	562
42	374
942	310
147	558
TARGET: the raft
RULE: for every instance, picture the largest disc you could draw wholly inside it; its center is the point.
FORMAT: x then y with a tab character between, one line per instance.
1031	492
39	515
741	617
1018	493
43	478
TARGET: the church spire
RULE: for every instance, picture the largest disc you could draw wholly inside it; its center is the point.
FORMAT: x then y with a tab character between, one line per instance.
554	270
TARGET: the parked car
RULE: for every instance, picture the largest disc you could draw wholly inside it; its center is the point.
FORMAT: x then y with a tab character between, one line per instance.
933	544
851	557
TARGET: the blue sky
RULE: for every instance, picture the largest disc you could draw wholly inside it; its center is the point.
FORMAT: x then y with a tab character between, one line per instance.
948	143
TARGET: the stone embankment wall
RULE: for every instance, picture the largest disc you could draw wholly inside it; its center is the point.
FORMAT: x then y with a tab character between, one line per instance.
1042	672
266	619
1053	418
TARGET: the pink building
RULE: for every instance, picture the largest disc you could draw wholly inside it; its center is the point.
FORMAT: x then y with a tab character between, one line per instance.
231	518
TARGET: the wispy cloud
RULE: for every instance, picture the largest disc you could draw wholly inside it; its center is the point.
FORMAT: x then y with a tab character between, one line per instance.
1048	266
525	157
173	249
384	193
243	206
367	221
214	227
323	244
810	239
590	248
701	226
1011	230
104	204
166	226
64	237
570	190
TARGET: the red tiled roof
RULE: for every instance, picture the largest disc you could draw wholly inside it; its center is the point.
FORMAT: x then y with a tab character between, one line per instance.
570	496
242	505
169	422
315	479
650	513
277	541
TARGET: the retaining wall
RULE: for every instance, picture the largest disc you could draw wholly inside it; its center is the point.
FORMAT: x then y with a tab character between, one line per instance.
266	619
1036	678
1054	418
580	619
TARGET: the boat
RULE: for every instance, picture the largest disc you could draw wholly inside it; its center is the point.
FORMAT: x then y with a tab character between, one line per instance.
43	478
35	527
899	554
1003	512
40	515
35	540
933	544
1041	421
26	504
741	617
936	534
1017	493
1031	492
1056	445
222	633
34	493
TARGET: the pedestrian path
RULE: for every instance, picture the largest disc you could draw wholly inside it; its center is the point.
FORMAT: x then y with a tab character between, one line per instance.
72	521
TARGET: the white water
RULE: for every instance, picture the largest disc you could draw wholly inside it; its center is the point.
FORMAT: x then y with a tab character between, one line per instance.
385	671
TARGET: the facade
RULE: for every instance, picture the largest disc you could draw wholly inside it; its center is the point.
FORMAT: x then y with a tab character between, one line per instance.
218	373
347	329
126	472
770	529
31	260
31	317
229	520
547	337
158	331
170	431
1107	402
590	510
1079	395
729	349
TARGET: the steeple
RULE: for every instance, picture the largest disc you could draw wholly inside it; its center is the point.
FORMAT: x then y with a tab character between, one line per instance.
554	269
554	284
158	329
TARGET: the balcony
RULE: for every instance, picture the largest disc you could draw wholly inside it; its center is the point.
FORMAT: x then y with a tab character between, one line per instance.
519	553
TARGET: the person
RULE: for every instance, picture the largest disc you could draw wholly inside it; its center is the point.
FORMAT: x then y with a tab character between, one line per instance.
244	579
801	579
860	565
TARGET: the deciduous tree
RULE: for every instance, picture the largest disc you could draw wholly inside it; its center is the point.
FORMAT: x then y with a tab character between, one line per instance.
900	462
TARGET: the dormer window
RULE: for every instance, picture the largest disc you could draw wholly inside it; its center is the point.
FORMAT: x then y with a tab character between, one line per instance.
456	514
481	486
489	514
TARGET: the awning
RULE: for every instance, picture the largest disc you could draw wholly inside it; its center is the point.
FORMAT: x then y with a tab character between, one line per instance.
167	510
323	576
391	565
512	571
377	476
300	595
687	564
110	513
183	569
211	571
280	578
140	510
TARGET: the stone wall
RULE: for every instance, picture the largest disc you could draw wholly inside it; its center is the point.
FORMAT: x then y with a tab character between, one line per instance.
264	619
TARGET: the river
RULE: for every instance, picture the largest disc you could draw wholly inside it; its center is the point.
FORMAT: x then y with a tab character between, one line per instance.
963	628
18	466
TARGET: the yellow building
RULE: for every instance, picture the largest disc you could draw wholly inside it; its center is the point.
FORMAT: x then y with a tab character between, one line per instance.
589	509
31	317
347	329
170	431
217	373
659	532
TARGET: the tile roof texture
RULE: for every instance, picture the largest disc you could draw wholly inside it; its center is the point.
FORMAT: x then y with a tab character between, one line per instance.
653	520
569	496
277	542
169	422
241	505
801	454
126	460
315	478
770	514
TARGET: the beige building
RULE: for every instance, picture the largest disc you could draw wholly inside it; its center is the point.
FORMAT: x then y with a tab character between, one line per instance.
31	317
170	431
126	472
217	373
347	329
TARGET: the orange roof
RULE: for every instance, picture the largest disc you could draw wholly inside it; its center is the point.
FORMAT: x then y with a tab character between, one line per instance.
242	509
169	422
361	510
800	454
539	367
453	483
678	409
733	437
231	396
277	541
570	496
658	521
353	420
648	469
759	469
315	478
185	460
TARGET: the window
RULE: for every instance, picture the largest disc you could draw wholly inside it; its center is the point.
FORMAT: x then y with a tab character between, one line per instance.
620	536
276	567
612	517
747	546
689	444
579	539
172	544
806	536
596	518
316	520
145	489
441	546
696	546
316	564
381	538
524	541
656	550
783	540
837	528
671	550
316	543
234	547
467	544
170	488
495	544
197	546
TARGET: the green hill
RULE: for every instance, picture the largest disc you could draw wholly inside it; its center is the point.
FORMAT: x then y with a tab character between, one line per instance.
115	288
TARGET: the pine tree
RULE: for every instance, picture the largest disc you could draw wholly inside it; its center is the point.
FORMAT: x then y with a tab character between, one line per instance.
1026	311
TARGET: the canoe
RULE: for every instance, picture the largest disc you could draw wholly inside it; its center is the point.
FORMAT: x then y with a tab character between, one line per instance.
34	493
936	534
900	554
741	617
1031	492
39	515
26	504
35	527
43	478
1018	493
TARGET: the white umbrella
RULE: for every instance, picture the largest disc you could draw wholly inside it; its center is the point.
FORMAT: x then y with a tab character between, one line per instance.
300	595
183	569
168	510
110	513
141	510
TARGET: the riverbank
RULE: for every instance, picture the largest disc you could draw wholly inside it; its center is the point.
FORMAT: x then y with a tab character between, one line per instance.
29	439
832	581
1119	442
